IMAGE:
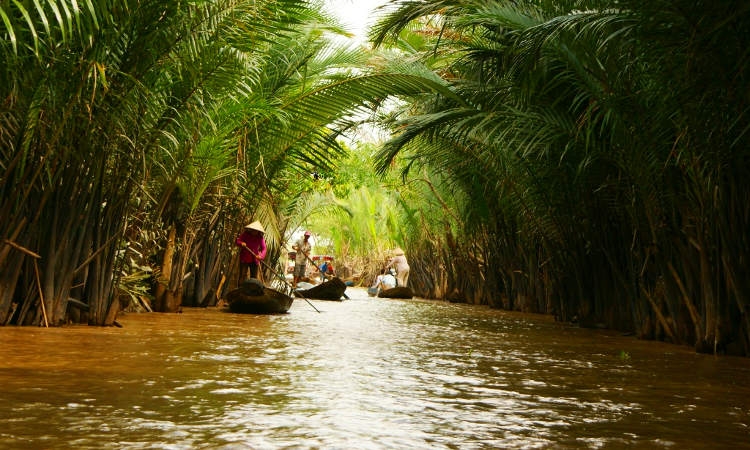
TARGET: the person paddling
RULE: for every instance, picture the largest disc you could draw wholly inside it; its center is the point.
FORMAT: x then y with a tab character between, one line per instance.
302	247
252	250
399	263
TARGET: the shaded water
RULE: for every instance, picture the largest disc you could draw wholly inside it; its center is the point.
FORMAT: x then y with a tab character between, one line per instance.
365	373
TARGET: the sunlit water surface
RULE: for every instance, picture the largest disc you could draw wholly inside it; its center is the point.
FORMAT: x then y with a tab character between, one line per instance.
365	373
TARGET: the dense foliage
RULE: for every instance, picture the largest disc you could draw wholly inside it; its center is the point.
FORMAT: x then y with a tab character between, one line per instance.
599	150
580	158
138	137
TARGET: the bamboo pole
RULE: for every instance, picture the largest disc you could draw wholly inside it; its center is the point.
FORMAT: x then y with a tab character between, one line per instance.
22	249
41	295
36	256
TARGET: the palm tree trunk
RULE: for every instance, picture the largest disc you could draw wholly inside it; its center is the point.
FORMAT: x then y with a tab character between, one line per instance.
163	299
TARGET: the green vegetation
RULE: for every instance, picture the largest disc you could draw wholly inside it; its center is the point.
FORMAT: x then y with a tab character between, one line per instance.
600	150
578	158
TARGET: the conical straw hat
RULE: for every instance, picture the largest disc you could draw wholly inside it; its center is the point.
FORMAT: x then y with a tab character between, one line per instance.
255	226
398	252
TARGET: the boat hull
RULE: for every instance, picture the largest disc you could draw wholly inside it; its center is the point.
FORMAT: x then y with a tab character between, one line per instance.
397	292
332	289
251	298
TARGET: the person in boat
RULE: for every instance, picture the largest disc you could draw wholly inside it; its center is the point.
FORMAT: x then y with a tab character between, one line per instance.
302	247
384	281
326	271
252	245
401	265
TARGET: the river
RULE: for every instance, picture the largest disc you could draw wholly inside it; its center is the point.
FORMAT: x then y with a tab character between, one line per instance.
365	373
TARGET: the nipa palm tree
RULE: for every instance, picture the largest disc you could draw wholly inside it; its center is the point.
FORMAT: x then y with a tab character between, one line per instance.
601	148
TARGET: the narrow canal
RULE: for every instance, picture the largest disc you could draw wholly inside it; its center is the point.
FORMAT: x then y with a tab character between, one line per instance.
365	373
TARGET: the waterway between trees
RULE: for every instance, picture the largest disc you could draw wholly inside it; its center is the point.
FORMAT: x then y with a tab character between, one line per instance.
365	373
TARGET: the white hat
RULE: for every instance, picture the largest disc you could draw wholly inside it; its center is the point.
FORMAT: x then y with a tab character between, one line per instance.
255	226
398	252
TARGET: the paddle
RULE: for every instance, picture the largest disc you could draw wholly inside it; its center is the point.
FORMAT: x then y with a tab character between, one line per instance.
322	272
282	278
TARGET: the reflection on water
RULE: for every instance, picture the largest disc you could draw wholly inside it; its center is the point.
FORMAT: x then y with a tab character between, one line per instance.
365	373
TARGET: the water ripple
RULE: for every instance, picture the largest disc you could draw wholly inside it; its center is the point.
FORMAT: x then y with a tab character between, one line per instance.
367	374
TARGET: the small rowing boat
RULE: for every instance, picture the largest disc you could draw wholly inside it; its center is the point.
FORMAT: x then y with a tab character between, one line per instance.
397	292
332	289
252	297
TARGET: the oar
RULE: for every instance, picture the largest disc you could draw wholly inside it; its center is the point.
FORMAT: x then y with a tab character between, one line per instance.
324	275
282	278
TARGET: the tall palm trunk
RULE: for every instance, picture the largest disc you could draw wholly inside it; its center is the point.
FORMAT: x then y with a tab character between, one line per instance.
164	296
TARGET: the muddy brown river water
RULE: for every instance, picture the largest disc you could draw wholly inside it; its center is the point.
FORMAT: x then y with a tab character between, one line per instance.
365	373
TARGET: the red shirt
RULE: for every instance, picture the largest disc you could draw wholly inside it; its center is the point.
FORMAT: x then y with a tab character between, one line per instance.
254	242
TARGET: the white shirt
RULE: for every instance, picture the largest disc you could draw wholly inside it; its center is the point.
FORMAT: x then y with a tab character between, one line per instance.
388	281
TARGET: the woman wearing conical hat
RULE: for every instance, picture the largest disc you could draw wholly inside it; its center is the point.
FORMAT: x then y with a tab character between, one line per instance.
401	265
252	250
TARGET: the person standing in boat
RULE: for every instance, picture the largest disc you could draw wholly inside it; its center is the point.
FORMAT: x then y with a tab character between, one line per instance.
302	247
399	263
252	250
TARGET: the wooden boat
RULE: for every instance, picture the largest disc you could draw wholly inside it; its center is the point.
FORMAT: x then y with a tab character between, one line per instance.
252	297
332	289
397	292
